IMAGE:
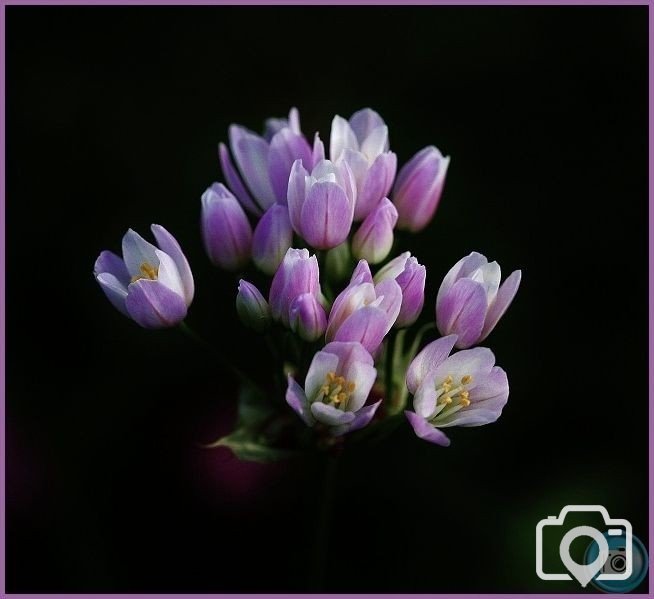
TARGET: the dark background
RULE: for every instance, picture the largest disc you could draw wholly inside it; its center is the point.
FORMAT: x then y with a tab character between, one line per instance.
113	121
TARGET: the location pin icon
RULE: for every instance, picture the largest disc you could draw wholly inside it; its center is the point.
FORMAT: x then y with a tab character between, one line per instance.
584	573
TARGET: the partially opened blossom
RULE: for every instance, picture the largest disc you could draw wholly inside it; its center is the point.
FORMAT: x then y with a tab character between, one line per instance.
410	276
226	231
297	274
418	188
471	300
307	317
364	312
321	203
464	389
336	387
151	285
374	238
362	142
252	308
272	238
264	163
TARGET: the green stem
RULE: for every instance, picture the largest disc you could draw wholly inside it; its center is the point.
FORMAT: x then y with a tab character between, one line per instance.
322	528
390	355
239	374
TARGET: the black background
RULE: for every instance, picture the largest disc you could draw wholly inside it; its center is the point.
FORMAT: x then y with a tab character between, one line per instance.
113	120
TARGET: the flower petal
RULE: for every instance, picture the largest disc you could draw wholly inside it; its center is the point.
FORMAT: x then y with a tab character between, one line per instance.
476	362
376	184
330	415
364	121
235	182
363	376
462	268
341	138
153	305
138	251
367	325
108	262
326	216
462	311
426	431
296	398
362	418
503	300
114	289
427	360
251	153
286	147
170	245
323	363
168	274
375	143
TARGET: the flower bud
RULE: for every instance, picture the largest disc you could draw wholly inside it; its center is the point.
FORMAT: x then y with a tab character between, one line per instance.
374	238
307	317
471	300
273	236
226	230
418	188
252	308
297	274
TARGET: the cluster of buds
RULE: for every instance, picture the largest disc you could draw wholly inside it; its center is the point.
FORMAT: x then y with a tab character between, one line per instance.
317	226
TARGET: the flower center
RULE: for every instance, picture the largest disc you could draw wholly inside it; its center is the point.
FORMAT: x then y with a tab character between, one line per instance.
147	272
336	391
451	396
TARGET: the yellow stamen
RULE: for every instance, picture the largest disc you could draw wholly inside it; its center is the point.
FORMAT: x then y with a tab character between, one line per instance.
466	380
147	272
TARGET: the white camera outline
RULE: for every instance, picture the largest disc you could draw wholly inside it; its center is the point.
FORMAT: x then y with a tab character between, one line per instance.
557	521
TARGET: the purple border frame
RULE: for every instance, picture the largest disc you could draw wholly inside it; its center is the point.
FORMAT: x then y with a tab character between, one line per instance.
649	3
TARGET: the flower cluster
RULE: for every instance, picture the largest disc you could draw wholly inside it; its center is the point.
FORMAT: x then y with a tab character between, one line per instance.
309	229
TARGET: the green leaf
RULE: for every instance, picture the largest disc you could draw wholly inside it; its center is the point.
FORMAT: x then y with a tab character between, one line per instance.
247	447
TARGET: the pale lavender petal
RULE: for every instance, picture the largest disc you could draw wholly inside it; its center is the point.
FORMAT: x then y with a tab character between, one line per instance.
226	231
426	431
272	238
376	184
462	312
114	289
341	138
374	238
138	251
330	415
154	306
363	376
491	391
285	148
168	275
318	153
476	363
364	121
361	273
349	353
362	418
393	268
251	154
412	282
169	245
296	194
503	300
307	317
489	276
350	299
322	364
427	360
326	216
391	302
272	126
469	417
367	325
296	398
424	400
375	143
235	182
464	267
294	120
108	262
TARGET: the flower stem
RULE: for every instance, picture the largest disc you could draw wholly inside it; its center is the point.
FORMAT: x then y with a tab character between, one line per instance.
321	541
239	374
